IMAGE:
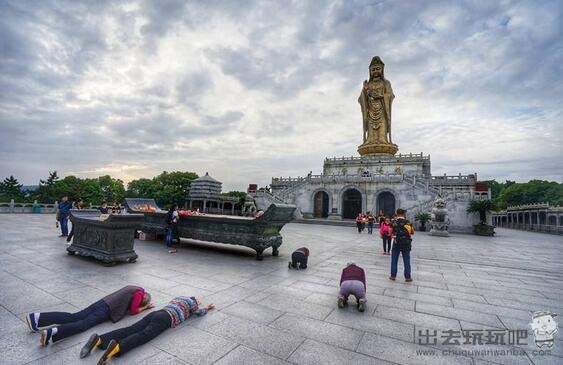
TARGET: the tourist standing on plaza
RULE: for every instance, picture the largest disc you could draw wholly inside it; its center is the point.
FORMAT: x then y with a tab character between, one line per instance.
403	232
114	307
172	218
63	212
123	340
371	222
360	222
78	204
352	282
115	209
104	207
299	258
381	217
386	234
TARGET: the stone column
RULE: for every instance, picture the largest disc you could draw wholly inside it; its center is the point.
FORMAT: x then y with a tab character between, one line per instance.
204	206
334	207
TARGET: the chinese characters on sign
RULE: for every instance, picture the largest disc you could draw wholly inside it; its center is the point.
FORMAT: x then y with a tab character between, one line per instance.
473	337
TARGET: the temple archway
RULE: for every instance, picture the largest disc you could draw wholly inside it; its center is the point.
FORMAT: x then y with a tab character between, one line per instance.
386	202
320	204
351	203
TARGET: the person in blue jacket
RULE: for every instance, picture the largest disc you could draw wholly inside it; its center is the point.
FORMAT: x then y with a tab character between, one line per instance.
64	213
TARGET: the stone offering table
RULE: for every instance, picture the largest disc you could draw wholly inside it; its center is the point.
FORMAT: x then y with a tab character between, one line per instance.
110	240
256	233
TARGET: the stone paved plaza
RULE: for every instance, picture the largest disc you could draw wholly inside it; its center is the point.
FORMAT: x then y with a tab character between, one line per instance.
267	314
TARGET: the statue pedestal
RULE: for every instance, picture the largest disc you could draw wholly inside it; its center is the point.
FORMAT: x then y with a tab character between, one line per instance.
377	149
434	232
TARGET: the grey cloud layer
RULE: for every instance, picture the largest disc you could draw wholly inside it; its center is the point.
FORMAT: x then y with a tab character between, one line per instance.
249	90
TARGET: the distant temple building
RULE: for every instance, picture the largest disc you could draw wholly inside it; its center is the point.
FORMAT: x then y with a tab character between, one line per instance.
205	195
378	179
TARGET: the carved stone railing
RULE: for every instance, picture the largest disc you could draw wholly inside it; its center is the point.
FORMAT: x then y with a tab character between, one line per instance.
14	207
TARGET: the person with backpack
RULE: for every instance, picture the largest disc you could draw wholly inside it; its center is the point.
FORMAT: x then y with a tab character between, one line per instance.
386	234
299	259
403	231
172	218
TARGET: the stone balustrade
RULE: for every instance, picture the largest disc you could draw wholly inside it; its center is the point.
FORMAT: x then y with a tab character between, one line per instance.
13	207
538	217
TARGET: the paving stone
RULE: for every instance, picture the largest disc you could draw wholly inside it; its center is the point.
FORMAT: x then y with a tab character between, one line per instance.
253	312
460	314
389	303
418	318
297	306
398	293
312	352
492	309
258	337
451	294
162	358
315	288
365	322
245	356
403	352
202	347
321	331
72	356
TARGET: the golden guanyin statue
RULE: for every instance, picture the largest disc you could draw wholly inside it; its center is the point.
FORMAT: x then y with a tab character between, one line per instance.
376	99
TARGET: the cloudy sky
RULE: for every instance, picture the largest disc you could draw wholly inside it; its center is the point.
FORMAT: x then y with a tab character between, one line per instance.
248	90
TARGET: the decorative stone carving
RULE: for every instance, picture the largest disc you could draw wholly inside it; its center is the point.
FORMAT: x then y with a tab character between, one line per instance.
249	209
375	101
256	233
110	240
439	218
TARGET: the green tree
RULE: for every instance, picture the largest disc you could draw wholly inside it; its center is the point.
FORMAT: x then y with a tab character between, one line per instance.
167	188
46	192
10	189
141	188
111	189
241	195
534	191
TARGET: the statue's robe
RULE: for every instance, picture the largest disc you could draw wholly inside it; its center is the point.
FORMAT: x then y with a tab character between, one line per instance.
388	97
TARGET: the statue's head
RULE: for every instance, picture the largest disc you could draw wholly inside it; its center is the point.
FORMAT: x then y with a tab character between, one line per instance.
376	68
440	203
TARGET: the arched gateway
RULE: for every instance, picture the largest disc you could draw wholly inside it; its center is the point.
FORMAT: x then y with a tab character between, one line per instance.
320	200
386	202
351	203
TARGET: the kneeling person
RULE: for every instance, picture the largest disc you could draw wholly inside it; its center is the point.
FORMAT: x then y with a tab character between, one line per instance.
120	341
299	258
352	282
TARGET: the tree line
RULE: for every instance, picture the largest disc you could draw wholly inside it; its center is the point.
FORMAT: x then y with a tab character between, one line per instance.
167	188
511	193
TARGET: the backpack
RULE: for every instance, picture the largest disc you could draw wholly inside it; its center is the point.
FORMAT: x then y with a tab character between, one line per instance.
402	236
168	217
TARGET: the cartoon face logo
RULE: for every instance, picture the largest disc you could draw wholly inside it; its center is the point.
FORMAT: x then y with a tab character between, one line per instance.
544	327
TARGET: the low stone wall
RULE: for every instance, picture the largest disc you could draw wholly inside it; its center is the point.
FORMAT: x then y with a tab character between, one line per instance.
12	207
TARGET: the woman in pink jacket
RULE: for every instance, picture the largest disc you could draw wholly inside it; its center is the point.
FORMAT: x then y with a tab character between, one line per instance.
386	233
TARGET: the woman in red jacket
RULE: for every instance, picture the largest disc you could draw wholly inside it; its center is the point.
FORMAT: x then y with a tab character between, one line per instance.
386	234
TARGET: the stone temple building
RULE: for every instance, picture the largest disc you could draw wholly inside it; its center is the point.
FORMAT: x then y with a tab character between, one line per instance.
378	179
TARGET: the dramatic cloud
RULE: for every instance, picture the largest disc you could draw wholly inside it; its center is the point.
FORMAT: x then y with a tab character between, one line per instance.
249	90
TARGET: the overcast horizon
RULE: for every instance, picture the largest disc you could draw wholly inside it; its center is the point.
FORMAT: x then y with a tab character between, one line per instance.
250	90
